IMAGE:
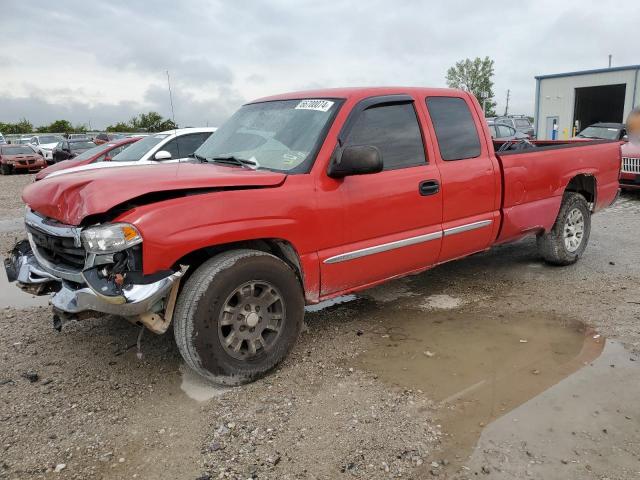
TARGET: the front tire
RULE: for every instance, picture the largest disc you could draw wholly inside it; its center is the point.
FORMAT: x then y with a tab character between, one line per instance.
565	243
238	316
5	169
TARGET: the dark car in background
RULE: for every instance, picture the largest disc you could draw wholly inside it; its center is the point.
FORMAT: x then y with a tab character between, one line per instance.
20	158
67	149
107	137
604	131
501	131
520	123
99	153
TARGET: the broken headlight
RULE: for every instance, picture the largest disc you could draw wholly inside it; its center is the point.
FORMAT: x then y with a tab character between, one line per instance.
110	238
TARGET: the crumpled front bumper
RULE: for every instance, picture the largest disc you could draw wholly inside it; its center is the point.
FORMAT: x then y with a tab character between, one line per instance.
73	298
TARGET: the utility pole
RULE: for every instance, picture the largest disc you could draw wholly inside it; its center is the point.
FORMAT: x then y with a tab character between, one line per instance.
610	56
506	108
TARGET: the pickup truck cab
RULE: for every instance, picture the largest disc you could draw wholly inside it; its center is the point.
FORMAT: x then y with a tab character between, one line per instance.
296	199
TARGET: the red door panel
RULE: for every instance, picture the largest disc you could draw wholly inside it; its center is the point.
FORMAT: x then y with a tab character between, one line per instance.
390	229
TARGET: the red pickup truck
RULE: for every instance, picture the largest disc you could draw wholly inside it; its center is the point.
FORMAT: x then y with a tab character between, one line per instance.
296	199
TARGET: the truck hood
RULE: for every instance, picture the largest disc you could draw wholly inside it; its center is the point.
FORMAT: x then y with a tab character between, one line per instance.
71	198
47	146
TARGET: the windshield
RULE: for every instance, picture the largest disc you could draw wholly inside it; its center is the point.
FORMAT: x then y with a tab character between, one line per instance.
81	145
282	135
606	133
93	151
17	150
522	123
49	139
136	151
24	141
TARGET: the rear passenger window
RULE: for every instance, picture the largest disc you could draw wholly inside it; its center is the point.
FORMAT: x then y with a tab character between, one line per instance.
394	130
455	129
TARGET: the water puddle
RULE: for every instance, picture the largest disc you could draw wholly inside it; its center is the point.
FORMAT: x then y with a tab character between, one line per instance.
197	387
12	297
478	365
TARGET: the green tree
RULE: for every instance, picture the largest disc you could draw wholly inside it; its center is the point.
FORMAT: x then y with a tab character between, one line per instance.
59	126
121	127
167	125
23	126
475	76
150	122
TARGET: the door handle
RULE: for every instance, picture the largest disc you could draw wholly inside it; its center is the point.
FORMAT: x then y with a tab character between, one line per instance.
429	187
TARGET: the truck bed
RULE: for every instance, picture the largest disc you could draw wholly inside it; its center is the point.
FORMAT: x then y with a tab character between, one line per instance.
534	181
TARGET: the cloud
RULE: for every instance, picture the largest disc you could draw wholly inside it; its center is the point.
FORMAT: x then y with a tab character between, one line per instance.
106	61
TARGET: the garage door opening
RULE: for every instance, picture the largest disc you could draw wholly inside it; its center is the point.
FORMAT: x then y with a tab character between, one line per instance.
599	104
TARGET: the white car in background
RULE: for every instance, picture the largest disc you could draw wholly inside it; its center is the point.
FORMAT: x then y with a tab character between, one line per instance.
168	146
2	140
44	145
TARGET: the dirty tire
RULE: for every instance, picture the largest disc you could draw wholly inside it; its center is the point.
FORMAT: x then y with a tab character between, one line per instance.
5	169
552	245
197	319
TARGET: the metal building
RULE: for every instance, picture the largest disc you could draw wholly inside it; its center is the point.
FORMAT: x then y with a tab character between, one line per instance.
569	102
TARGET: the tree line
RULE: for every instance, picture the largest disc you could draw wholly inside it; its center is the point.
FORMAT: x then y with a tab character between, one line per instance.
144	122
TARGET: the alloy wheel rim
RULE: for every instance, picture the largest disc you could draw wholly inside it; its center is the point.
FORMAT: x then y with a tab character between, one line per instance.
573	230
251	320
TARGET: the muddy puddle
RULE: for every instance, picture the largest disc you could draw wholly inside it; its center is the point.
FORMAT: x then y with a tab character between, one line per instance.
12	297
477	365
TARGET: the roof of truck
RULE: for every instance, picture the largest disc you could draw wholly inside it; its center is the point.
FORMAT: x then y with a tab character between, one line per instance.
359	92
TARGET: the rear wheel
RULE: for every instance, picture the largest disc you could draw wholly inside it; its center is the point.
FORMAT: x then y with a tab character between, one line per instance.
565	243
5	169
238	316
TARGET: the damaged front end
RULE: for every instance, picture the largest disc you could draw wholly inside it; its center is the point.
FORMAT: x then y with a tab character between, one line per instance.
92	270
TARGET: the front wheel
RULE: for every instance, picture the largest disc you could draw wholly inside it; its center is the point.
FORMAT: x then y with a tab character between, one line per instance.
238	316
565	243
5	169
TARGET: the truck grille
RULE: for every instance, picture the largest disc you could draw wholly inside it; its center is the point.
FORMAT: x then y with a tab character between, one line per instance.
630	165
60	251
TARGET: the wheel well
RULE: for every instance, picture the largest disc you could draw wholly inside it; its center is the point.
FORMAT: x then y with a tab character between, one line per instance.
585	185
282	249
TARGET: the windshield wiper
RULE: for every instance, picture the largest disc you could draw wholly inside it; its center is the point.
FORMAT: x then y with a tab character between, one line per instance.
198	157
231	160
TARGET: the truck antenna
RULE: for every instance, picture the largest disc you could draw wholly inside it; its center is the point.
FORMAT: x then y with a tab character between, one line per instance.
506	108
173	115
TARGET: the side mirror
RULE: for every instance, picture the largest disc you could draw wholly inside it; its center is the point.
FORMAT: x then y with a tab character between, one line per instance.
107	158
356	160
162	155
625	138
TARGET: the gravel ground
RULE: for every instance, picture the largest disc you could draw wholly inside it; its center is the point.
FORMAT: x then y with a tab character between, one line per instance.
82	403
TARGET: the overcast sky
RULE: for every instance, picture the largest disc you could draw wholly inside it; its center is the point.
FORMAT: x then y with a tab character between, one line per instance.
101	62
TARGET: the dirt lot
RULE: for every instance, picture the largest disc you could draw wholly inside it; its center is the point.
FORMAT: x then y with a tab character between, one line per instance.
495	366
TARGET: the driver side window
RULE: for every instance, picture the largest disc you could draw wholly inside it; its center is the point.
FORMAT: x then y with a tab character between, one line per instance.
394	130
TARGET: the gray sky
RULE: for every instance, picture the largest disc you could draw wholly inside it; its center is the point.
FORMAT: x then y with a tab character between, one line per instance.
101	62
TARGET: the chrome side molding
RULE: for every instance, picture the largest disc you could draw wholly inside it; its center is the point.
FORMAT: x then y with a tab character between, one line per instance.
385	247
467	227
